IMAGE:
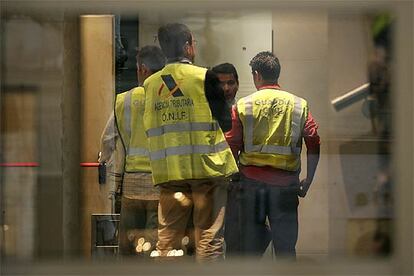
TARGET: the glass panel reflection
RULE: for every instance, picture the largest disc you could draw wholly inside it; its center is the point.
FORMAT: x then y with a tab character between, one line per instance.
339	62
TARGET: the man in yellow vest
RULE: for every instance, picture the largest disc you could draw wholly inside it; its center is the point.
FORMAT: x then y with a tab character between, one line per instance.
139	204
268	128
185	116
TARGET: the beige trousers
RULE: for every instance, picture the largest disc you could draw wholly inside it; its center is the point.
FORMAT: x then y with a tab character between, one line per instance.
206	200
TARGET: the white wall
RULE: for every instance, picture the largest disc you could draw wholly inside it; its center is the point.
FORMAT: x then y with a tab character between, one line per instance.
232	37
352	158
301	44
235	39
348	59
324	55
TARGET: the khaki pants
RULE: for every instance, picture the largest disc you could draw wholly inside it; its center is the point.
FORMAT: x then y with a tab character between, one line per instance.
206	199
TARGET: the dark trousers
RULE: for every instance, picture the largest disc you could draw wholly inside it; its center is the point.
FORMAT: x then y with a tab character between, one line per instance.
250	205
139	219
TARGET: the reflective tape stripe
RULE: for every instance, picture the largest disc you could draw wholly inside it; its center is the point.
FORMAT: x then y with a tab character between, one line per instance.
127	113
296	119
182	127
188	149
276	149
249	123
295	130
138	151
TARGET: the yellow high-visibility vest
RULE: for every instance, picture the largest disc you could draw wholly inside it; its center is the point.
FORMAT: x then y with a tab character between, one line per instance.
185	141
273	122
129	112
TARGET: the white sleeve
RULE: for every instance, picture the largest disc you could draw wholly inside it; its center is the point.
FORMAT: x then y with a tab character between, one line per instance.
109	138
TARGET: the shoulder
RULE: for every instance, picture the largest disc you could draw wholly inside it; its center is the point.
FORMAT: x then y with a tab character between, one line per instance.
152	77
294	96
186	69
120	97
248	97
139	90
136	91
196	70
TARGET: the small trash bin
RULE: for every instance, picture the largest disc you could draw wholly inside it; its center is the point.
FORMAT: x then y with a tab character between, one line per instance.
104	236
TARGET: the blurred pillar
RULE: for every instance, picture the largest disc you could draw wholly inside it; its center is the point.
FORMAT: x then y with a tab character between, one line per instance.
97	94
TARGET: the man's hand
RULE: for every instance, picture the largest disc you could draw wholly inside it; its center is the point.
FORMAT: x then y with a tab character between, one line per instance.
303	187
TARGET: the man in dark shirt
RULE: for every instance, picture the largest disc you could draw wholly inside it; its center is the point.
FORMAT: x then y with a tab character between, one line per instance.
229	80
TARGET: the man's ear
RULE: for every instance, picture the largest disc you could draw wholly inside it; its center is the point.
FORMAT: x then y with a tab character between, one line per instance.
258	76
255	75
187	49
144	69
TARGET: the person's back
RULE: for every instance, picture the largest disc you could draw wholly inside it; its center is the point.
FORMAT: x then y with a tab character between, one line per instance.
189	156
185	141
273	135
139	201
129	111
268	128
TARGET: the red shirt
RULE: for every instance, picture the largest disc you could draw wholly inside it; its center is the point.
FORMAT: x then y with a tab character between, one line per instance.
269	174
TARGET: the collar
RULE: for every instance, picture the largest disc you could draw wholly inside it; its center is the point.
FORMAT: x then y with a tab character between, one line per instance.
179	60
276	87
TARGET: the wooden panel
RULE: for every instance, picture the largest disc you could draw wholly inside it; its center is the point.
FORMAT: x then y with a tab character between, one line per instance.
97	90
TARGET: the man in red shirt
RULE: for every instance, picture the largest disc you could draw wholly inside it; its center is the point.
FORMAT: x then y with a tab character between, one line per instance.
267	131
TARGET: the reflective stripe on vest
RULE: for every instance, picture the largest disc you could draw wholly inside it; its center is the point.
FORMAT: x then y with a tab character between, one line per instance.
129	109
284	150
182	127
296	124
127	113
138	151
189	149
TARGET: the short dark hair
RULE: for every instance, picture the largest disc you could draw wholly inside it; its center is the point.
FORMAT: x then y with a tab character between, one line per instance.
172	38
226	68
152	57
267	65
